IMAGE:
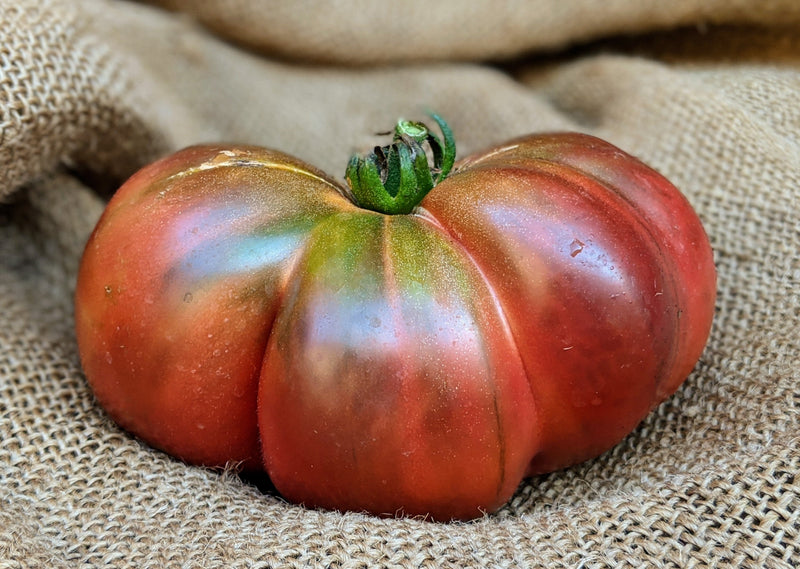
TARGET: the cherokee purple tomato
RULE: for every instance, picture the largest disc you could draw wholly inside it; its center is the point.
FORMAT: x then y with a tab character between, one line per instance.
236	305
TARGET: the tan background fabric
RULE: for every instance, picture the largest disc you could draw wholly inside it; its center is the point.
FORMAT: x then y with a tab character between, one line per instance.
706	92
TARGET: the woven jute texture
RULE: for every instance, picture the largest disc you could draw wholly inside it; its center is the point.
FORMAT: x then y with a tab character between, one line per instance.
707	92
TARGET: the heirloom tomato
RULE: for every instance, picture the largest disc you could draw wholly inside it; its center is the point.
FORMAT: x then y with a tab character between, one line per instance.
416	343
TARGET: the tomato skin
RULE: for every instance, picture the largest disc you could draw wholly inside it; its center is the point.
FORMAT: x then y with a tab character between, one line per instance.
177	289
388	379
233	305
605	274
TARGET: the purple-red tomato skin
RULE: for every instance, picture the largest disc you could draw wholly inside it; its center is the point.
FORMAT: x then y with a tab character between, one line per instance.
234	306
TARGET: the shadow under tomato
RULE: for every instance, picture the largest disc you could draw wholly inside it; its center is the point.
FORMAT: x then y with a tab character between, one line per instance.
260	480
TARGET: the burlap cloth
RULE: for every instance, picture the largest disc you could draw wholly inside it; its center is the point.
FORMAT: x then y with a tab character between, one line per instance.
708	92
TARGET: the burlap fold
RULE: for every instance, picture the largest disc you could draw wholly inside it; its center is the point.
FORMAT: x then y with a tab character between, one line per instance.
90	91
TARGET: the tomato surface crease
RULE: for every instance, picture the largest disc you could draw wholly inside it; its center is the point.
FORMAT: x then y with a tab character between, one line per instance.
429	218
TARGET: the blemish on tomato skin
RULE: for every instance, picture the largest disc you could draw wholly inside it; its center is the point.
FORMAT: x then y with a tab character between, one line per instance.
576	247
223	156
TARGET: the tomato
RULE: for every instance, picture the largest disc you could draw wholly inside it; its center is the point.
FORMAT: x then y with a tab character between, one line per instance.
416	343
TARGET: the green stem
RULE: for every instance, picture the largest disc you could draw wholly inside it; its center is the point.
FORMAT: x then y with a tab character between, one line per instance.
393	179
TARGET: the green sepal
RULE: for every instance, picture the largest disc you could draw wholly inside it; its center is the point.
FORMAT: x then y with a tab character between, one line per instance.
394	179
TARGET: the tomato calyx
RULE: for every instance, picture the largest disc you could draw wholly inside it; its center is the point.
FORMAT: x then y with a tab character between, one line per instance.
393	179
